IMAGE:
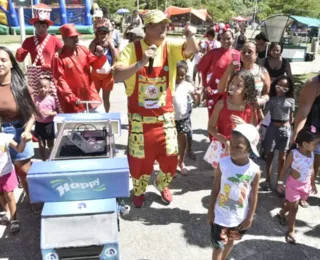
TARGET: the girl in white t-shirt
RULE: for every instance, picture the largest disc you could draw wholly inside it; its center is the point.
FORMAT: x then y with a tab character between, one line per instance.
234	193
183	100
8	178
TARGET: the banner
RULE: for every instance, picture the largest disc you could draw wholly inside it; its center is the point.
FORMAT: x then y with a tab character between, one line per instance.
73	180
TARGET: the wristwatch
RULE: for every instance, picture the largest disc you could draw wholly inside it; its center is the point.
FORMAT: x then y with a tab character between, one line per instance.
139	65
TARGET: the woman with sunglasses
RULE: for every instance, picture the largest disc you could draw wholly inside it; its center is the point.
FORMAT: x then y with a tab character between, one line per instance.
281	107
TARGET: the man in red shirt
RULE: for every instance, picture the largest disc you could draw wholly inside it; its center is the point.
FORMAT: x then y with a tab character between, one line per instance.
41	47
71	71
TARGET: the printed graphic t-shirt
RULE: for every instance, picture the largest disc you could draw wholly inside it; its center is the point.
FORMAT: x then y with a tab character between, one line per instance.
46	104
232	203
6	165
183	100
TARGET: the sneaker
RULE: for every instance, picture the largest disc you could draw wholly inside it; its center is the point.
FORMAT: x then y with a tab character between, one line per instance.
166	195
138	201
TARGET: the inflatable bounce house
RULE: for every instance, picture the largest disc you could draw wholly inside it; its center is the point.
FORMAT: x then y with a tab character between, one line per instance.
63	11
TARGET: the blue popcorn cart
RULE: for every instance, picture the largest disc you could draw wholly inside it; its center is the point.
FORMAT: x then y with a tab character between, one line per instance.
80	185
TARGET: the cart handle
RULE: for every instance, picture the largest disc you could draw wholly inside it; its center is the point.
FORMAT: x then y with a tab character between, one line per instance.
89	102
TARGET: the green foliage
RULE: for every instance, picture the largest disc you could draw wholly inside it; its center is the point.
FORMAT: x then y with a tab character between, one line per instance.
114	5
224	10
294	7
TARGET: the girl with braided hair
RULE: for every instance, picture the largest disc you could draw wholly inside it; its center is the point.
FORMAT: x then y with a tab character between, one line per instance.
238	105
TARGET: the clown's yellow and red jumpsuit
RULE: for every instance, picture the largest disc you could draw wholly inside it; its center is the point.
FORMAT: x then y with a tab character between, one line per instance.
152	132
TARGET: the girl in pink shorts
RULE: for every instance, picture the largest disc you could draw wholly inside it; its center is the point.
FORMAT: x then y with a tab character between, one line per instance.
8	178
301	179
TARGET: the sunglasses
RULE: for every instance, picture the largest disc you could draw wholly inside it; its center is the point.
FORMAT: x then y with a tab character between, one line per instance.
283	89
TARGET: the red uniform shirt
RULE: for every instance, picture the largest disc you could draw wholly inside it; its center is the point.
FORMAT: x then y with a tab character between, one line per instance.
215	62
72	74
28	46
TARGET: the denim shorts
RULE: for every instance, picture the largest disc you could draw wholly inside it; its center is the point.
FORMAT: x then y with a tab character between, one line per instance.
15	128
277	138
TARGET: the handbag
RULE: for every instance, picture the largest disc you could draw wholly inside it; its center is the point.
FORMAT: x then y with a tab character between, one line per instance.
34	72
214	153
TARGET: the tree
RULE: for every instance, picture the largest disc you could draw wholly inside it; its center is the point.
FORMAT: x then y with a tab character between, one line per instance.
114	5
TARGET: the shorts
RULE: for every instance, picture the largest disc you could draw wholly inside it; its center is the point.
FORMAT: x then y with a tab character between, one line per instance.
183	125
296	190
277	138
221	235
16	128
44	131
8	182
103	81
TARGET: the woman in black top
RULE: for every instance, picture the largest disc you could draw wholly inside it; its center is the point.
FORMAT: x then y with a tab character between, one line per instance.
240	40
262	43
275	64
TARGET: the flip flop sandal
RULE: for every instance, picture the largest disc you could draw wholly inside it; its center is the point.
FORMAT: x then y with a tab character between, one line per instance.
14	226
191	155
303	203
266	186
290	239
282	220
183	170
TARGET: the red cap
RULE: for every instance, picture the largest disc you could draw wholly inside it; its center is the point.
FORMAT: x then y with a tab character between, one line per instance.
69	30
41	13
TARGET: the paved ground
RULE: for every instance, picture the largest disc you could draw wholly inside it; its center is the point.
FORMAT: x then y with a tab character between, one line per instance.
180	231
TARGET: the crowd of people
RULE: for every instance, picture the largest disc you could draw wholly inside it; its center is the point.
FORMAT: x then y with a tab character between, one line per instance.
247	87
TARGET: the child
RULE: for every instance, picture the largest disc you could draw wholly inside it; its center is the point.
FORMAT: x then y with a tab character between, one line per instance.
197	58
234	194
300	181
44	127
184	94
211	42
8	178
103	78
281	107
238	107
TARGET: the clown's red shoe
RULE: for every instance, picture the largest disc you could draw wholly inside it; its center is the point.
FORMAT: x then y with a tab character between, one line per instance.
166	195
138	201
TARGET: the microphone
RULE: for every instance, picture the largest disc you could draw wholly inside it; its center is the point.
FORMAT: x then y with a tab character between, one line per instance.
150	68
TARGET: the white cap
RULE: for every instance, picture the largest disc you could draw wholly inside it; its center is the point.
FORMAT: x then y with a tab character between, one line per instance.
98	13
251	133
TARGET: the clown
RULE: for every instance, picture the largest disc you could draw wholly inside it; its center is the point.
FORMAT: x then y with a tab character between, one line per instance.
41	47
150	88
